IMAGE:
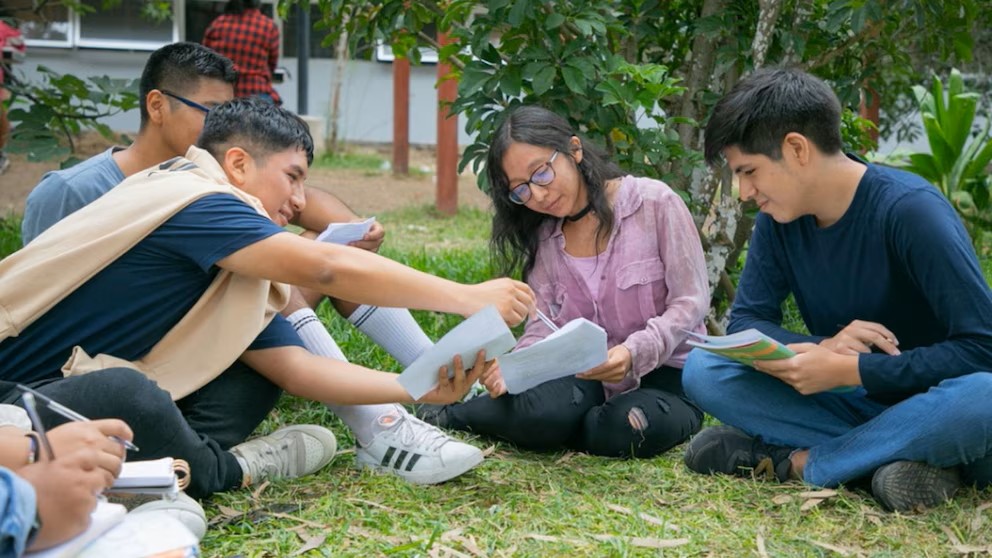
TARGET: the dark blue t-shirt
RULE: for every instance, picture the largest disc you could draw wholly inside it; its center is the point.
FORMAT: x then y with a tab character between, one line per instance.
132	303
900	257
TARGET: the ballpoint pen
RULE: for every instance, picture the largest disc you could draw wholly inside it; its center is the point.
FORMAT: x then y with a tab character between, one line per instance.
547	321
66	412
32	409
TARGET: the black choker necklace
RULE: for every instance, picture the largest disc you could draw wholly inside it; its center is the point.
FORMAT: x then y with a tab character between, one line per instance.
581	214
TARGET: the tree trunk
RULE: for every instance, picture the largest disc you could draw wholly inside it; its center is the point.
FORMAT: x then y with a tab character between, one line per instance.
763	33
341	56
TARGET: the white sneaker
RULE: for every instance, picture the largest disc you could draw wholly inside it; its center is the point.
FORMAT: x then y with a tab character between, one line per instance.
416	451
290	452
188	511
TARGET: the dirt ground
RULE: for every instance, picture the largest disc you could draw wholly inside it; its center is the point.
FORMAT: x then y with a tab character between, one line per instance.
368	193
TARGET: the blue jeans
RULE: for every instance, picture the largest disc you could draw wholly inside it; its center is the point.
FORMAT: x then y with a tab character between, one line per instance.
849	435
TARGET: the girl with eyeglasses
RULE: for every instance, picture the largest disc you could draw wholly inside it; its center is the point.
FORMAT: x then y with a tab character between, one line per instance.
620	251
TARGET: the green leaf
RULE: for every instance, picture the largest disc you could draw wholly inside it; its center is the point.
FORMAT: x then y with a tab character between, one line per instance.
554	21
518	12
574	79
543	80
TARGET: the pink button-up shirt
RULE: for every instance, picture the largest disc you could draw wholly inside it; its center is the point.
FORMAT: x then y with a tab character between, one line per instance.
653	284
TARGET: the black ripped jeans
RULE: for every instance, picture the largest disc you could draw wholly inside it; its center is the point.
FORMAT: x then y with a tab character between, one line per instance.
574	414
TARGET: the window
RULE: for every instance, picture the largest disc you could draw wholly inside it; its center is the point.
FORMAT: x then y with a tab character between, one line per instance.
122	26
52	26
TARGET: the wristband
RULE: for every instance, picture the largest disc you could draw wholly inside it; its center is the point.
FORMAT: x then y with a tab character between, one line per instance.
33	447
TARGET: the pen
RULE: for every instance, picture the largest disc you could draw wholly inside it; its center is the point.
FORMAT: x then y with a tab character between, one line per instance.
547	321
32	409
68	413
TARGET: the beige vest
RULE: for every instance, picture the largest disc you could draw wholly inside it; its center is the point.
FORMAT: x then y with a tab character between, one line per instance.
209	338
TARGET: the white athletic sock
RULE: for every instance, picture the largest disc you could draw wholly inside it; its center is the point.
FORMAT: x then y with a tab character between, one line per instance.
361	419
315	336
393	329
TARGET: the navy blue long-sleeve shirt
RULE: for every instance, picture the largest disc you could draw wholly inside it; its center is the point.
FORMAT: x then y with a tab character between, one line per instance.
900	257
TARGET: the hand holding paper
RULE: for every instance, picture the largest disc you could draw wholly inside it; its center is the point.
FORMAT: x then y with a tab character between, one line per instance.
344	233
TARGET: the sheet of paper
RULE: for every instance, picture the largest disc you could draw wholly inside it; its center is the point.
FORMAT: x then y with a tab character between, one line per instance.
343	233
102	519
576	347
150	533
483	330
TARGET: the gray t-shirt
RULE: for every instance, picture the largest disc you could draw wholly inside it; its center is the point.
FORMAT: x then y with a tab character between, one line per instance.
63	192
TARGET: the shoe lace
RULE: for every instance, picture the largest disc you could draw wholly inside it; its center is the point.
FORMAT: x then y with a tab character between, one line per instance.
412	431
270	459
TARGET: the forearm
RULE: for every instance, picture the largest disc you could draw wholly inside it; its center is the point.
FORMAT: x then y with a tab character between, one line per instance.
322	209
303	374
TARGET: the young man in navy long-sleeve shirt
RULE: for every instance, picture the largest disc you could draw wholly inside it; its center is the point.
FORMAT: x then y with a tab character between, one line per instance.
892	383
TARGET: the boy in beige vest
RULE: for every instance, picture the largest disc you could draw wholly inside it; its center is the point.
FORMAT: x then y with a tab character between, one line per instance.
179	272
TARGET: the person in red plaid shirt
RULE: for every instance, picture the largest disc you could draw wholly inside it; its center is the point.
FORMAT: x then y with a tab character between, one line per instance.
250	39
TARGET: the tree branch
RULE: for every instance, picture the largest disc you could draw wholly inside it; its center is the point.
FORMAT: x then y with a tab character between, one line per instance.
871	30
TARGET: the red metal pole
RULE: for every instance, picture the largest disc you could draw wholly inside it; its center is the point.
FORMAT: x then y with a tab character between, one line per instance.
401	116
447	139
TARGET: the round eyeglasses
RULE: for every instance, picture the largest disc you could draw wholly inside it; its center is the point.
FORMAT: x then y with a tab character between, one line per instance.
544	175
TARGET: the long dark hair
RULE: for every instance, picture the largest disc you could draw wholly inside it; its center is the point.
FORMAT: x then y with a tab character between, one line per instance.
514	238
237	7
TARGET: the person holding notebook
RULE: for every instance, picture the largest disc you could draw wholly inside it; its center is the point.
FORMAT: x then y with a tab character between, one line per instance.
891	385
618	250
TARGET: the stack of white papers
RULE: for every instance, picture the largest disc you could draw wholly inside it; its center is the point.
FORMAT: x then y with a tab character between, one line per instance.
343	233
578	346
484	330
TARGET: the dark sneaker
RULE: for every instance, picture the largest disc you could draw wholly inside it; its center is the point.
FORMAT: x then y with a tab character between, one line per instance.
729	451
913	486
436	415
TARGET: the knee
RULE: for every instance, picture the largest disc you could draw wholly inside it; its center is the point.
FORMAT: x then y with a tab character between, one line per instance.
132	396
703	374
645	429
970	395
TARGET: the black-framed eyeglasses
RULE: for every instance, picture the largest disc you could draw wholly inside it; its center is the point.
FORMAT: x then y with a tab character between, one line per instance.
544	175
185	101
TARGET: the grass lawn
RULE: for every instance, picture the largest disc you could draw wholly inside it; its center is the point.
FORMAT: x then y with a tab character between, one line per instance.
525	504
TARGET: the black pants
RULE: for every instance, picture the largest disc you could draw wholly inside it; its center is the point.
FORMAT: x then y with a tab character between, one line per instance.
199	428
573	413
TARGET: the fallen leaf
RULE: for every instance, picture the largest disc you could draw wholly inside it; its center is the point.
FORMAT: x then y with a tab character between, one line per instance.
821	494
810	504
299	519
258	491
644	542
489	451
565	458
759	541
309	543
643	516
375	505
781	499
229	512
540	537
875	520
951	535
834	548
970	549
983	507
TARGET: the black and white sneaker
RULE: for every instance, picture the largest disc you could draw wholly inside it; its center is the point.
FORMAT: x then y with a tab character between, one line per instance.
416	451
